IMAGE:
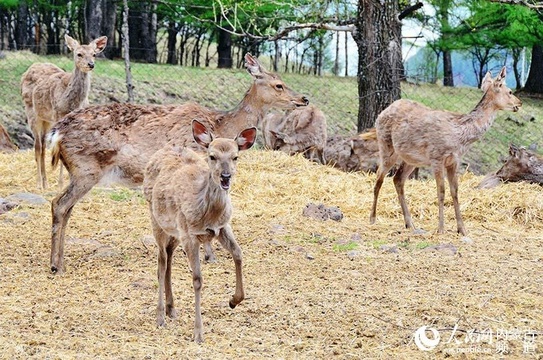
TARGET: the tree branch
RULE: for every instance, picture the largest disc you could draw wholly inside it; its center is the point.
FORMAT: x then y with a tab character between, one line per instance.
408	10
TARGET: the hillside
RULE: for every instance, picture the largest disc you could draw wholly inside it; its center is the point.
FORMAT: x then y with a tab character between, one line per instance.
223	89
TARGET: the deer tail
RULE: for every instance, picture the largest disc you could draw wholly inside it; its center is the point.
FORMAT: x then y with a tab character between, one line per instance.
54	139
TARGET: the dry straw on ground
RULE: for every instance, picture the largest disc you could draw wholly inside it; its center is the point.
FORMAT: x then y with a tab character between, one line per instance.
314	289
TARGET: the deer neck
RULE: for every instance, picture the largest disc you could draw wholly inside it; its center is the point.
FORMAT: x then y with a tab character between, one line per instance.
76	93
477	122
216	201
249	112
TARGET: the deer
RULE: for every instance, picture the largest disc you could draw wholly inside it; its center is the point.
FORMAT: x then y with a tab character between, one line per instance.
353	153
521	165
189	202
49	93
416	135
301	130
114	142
6	145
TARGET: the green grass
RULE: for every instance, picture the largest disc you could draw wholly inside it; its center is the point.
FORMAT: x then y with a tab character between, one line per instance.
351	245
223	89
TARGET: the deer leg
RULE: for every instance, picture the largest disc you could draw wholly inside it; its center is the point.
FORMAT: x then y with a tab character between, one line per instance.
61	209
209	256
162	241
453	184
39	156
193	252
403	172
228	241
170	309
384	167
440	183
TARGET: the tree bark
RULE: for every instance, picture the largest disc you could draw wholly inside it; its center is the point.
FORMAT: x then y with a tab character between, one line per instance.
21	31
224	49
534	83
448	79
378	36
172	41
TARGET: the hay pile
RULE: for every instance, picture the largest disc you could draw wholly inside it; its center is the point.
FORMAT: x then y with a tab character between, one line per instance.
314	289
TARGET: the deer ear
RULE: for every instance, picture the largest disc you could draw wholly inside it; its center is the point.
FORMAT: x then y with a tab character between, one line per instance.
487	81
71	43
246	138
500	79
99	44
514	151
201	134
253	66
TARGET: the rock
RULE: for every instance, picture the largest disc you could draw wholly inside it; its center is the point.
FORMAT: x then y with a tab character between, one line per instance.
6	205
393	249
28	198
447	249
322	212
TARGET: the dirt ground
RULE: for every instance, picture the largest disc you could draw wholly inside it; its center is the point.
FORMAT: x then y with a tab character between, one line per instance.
315	289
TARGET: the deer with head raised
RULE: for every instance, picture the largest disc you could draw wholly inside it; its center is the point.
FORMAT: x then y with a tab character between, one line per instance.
189	204
49	93
416	135
116	141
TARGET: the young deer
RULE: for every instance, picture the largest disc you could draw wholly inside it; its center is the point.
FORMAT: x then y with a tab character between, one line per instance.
296	131
49	93
117	140
189	204
522	165
417	136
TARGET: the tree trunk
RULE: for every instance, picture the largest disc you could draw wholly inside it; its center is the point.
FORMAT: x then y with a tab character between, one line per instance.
142	27
21	31
172	41
126	42
534	83
378	37
224	49
93	20
448	79
515	54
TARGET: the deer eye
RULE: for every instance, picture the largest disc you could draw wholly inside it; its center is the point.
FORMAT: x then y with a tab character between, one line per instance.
279	87
235	158
212	158
80	55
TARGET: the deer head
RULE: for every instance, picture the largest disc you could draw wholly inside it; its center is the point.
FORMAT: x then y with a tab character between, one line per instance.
84	55
271	89
502	97
222	153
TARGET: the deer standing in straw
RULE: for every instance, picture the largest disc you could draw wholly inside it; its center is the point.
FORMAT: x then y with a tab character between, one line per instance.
418	136
189	204
49	93
116	141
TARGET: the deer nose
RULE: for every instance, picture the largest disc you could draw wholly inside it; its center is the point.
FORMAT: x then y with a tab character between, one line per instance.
305	100
91	65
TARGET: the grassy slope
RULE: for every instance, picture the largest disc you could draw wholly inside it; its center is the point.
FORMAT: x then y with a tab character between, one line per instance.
224	88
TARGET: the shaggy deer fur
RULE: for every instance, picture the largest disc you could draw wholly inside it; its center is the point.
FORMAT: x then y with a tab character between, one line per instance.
353	153
416	136
49	93
189	203
296	131
6	145
522	165
116	141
